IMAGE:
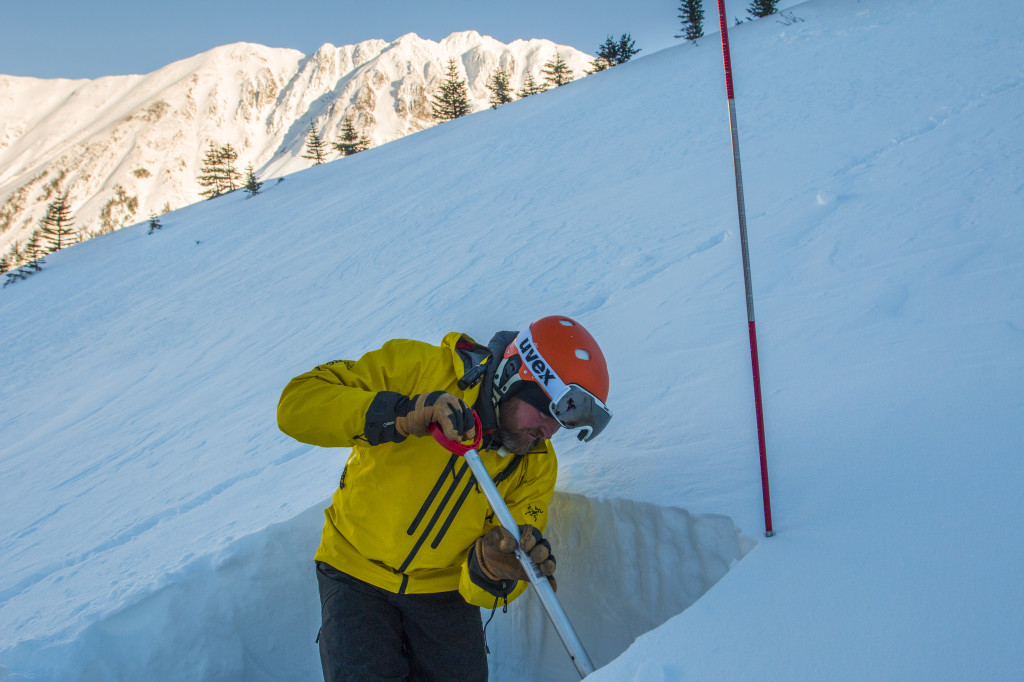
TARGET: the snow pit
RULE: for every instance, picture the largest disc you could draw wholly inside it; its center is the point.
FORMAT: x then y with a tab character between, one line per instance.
624	568
251	612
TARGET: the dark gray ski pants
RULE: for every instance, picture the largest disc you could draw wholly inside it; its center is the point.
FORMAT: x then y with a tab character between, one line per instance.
371	634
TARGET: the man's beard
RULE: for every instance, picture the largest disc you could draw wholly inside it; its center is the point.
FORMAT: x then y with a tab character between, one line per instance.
516	441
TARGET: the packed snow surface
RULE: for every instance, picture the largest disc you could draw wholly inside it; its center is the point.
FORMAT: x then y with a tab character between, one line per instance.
157	525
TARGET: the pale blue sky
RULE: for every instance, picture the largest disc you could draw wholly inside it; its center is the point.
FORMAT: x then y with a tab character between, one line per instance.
75	39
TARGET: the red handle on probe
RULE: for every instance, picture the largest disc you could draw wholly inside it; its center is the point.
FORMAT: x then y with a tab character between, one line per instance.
453	445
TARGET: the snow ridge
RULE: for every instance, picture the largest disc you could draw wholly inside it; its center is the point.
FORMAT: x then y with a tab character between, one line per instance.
126	147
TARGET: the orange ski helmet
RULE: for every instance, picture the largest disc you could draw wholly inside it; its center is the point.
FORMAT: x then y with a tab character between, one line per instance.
560	357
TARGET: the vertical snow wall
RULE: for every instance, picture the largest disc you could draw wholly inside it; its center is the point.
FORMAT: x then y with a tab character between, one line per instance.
624	568
251	612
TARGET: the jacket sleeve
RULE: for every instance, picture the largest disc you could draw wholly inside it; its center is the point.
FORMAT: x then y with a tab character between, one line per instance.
528	501
329	405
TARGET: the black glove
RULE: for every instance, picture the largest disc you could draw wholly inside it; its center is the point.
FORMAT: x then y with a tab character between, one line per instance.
498	566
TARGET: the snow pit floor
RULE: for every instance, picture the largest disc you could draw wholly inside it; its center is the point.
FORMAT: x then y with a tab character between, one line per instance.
251	611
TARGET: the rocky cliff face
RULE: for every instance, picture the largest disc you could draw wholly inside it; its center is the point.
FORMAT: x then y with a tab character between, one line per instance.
127	147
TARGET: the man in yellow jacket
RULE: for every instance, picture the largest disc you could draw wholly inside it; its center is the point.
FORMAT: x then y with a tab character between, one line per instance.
410	548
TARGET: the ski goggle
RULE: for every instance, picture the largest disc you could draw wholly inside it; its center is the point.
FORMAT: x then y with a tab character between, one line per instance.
579	409
572	406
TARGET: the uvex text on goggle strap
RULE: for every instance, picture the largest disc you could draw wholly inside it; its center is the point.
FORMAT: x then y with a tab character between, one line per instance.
572	406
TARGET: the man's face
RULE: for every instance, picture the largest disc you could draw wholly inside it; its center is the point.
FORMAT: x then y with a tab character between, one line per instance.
522	426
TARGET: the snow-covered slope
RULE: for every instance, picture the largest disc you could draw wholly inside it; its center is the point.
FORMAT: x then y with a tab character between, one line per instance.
147	135
156	525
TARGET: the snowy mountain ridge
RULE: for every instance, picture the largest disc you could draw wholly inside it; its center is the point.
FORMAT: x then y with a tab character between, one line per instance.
126	147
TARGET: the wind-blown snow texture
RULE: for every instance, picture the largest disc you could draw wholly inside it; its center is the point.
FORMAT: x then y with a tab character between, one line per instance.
156	525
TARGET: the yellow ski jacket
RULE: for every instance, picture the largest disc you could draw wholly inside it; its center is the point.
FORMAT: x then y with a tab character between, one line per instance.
406	514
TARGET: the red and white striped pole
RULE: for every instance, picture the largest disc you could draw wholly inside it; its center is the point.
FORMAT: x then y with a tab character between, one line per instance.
746	270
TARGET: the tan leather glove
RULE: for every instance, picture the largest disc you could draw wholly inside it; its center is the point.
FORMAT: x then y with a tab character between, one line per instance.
494	552
449	412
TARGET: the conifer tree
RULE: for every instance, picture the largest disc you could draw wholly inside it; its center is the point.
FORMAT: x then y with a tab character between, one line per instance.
626	48
530	87
607	56
227	156
453	99
597	65
609	51
34	253
209	174
34	249
252	185
315	146
691	12
55	227
557	72
350	142
762	8
614	52
617	51
501	91
218	174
